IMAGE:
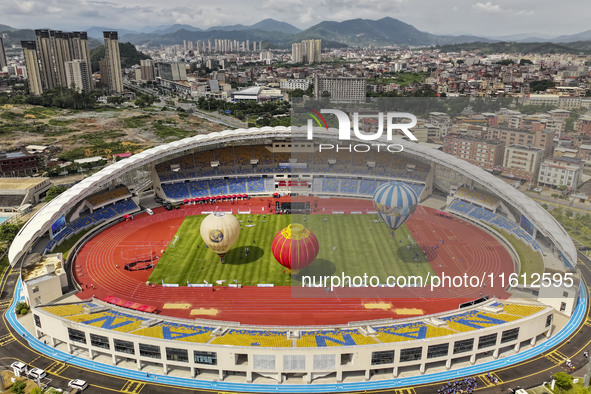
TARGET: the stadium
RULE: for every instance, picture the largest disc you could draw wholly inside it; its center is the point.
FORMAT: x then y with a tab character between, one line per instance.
139	293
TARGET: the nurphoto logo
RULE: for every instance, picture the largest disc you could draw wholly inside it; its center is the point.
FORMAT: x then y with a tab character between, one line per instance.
391	119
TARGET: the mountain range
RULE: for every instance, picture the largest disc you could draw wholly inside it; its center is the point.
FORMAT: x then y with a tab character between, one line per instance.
355	32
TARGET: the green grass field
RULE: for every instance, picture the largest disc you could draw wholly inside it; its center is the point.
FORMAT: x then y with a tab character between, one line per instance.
347	245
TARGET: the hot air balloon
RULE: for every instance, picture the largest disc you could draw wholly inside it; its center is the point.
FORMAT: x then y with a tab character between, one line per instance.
395	202
295	247
219	231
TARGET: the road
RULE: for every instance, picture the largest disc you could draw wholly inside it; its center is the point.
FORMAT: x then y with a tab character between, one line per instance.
14	347
210	116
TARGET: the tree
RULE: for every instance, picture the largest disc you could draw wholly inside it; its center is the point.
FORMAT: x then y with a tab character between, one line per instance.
36	390
563	380
145	100
525	61
325	93
297	93
542	85
117	100
18	387
53	192
8	231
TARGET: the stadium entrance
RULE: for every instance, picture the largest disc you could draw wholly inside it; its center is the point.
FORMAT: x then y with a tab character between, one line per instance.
292	207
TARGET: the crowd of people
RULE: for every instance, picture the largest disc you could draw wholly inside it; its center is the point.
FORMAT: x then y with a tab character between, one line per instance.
465	385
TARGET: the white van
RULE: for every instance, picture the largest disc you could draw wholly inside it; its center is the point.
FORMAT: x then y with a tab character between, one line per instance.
37	373
19	368
149	211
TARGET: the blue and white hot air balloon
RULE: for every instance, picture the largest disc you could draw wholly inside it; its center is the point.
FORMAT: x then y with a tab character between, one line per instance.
395	202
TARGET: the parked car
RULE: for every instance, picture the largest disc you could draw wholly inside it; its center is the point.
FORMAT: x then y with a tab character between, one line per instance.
149	211
78	384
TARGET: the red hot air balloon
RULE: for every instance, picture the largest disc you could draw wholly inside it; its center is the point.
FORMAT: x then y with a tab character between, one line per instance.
295	247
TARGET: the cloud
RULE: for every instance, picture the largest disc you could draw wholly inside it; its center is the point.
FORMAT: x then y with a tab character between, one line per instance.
488	7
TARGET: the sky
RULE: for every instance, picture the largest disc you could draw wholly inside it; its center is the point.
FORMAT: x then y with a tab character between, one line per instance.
476	17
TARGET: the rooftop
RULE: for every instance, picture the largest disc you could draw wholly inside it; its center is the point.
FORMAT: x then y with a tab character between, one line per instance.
42	267
20	183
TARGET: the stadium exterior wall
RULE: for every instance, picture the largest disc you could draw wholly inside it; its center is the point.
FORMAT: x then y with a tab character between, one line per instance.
319	361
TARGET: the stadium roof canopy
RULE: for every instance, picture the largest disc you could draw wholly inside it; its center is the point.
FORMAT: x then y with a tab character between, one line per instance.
40	223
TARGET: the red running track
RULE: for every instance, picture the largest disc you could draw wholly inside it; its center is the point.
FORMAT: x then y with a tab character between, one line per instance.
465	249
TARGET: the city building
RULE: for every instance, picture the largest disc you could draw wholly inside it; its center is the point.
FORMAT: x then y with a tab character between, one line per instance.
48	77
77	75
487	154
62	54
78	41
172	71
292	84
32	63
540	138
3	62
307	51
583	125
561	171
522	162
104	73
258	93
349	89
17	164
147	70
113	62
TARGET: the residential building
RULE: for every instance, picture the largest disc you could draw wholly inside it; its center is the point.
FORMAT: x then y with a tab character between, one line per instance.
487	154
307	51
3	62
32	63
113	62
172	71
79	50
561	171
147	70
48	77
62	54
541	138
583	125
77	75
522	162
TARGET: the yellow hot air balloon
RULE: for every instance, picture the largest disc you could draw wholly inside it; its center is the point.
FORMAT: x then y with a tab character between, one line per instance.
219	231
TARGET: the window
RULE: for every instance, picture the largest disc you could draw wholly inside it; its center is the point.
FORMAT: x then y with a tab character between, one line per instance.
149	351
76	335
173	354
209	358
346	358
487	341
562	306
99	341
565	294
241	359
411	354
434	351
37	321
124	346
510	335
385	357
549	320
463	346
